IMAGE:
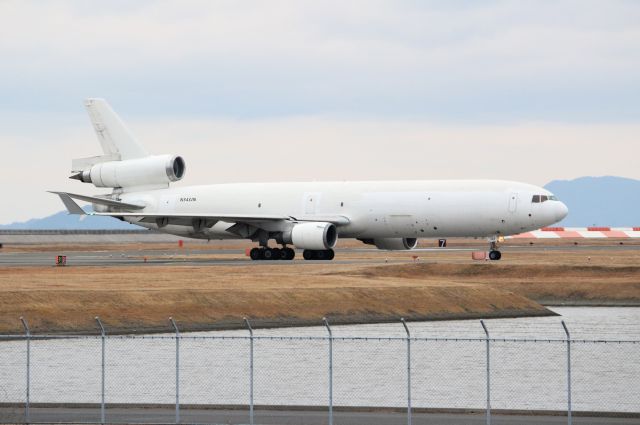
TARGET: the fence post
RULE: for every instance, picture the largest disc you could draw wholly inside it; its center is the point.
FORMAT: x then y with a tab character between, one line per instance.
406	328
486	332
102	410
326	324
566	331
27	414
250	370
175	327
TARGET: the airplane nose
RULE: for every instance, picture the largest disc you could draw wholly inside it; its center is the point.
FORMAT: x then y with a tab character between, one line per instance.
561	211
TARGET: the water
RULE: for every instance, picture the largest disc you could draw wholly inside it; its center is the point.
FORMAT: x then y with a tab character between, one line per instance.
369	365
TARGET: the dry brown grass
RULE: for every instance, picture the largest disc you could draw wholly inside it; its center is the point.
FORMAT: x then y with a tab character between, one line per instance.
439	285
143	297
554	283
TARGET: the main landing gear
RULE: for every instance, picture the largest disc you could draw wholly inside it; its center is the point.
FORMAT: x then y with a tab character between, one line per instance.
270	254
320	254
266	253
494	253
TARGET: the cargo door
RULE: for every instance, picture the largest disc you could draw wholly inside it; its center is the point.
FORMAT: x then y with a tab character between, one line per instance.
310	203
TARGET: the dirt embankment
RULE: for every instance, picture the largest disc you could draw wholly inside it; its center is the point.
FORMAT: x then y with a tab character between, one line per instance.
550	284
141	299
440	285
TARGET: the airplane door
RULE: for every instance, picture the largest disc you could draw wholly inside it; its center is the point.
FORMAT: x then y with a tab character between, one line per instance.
513	202
310	202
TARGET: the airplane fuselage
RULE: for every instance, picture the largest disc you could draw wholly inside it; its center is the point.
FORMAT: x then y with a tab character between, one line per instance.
310	216
374	209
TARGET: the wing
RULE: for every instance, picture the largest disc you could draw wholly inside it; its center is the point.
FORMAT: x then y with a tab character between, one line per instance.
191	219
188	219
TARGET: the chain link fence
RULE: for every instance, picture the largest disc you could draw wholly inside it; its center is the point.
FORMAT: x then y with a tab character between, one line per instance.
244	377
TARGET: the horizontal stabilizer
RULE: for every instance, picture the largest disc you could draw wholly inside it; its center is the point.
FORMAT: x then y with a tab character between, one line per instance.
66	198
70	204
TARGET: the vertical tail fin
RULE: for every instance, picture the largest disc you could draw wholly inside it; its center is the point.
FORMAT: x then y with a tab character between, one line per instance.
113	135
118	143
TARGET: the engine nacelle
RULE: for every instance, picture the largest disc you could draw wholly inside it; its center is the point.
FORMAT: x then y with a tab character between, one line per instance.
396	244
314	235
152	170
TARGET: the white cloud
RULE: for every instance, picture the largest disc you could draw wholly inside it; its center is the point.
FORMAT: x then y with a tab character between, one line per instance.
322	148
283	90
318	53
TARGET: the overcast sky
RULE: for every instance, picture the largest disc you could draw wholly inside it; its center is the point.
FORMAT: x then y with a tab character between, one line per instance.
295	90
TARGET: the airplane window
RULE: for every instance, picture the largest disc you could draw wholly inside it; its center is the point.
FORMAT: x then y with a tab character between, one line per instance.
544	198
553	198
536	199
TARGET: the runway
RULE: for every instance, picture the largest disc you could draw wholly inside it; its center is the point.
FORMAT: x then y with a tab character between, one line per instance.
154	258
294	417
237	257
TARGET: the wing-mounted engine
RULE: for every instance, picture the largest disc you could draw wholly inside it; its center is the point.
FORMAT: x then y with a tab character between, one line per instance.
393	244
148	171
312	235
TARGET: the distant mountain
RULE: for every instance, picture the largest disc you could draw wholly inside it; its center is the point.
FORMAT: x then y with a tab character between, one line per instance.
599	201
63	220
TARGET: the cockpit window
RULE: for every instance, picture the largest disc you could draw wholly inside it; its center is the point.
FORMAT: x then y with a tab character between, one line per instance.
543	198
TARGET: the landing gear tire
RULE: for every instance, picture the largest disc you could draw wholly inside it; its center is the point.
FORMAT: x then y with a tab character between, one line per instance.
494	253
255	254
320	254
271	254
268	254
287	254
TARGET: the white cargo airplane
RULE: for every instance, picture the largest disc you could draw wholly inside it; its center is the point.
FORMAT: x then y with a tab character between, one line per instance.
392	215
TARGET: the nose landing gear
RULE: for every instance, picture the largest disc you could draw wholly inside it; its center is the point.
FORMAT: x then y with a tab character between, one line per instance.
494	253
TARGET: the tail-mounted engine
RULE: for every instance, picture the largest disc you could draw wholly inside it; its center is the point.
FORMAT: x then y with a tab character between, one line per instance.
147	171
